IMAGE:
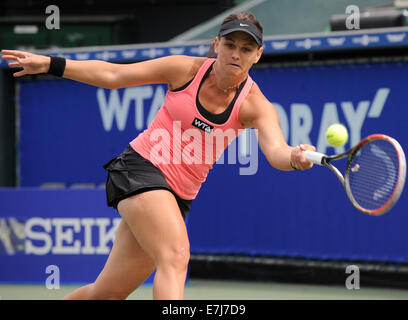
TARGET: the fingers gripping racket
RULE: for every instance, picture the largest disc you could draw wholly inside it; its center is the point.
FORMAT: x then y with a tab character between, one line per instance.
375	172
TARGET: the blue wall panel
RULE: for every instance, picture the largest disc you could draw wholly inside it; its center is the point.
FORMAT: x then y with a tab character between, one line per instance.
68	130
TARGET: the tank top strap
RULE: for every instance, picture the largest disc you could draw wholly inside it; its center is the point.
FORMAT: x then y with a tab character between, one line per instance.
201	72
243	94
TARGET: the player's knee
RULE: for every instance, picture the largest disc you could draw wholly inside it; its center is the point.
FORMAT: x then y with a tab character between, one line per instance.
176	256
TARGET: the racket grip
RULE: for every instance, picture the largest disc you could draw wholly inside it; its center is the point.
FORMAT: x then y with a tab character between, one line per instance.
315	157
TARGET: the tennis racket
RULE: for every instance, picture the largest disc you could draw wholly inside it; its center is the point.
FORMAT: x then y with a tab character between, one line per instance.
375	172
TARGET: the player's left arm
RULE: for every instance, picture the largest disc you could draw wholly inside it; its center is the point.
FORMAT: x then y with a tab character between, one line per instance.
258	113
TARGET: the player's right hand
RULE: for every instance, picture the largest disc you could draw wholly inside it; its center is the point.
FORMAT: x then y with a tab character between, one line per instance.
298	158
30	62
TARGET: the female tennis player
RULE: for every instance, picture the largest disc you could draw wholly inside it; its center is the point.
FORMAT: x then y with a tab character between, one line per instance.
152	183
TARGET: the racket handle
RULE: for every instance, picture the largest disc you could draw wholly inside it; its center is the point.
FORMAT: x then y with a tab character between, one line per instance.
315	157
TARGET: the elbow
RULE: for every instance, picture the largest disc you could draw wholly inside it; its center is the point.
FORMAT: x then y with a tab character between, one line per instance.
112	80
110	86
105	85
111	83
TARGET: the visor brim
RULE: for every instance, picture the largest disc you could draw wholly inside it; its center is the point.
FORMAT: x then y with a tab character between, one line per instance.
253	35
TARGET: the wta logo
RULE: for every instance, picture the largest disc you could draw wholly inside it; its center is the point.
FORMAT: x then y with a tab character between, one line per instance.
200	124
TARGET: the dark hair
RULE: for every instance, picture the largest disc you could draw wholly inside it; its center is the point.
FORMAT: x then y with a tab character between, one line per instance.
246	16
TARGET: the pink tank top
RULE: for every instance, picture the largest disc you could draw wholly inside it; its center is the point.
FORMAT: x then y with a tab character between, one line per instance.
181	140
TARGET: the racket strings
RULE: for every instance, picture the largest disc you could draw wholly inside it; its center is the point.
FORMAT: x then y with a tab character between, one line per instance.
373	174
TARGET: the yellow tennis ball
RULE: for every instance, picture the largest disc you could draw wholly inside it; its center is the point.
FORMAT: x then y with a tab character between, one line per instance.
337	135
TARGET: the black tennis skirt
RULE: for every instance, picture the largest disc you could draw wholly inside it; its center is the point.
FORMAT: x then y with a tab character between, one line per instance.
130	174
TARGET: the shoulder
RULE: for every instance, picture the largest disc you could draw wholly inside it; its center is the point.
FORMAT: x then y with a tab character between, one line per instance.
184	64
255	106
193	64
187	62
173	70
182	69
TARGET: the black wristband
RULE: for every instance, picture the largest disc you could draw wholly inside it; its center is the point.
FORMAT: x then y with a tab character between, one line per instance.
57	66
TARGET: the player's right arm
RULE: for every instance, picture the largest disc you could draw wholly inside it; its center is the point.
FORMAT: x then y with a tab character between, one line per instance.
173	70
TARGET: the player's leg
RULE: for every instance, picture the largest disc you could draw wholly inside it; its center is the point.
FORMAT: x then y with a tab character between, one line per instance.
157	224
127	267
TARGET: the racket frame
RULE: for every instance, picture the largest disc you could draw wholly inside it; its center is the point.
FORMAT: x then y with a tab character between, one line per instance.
324	160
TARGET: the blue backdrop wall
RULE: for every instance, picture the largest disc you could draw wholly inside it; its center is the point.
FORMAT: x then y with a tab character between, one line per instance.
67	131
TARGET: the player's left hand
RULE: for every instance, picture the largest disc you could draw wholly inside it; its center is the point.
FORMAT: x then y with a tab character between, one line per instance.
29	62
298	158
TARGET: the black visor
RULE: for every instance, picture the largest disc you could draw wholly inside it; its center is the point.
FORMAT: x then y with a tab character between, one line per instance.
243	26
